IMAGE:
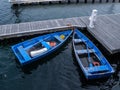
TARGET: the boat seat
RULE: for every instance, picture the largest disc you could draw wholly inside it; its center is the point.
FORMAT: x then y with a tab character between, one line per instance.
45	44
98	69
77	41
23	53
85	51
30	46
58	38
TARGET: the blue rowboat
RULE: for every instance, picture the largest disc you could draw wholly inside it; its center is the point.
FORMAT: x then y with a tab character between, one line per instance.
91	61
39	47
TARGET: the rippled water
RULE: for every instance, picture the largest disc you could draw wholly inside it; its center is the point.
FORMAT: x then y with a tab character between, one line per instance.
60	70
28	13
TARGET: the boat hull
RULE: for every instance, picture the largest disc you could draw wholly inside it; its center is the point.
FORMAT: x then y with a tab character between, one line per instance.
39	47
91	61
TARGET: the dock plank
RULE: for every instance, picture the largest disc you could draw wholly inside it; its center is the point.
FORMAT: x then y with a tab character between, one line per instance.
53	23
31	1
8	29
106	31
81	23
14	28
35	25
23	27
49	24
1	30
62	1
57	22
114	28
38	26
106	36
70	21
61	22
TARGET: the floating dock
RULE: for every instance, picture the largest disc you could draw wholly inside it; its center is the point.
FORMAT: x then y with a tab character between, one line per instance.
31	1
106	30
60	1
39	27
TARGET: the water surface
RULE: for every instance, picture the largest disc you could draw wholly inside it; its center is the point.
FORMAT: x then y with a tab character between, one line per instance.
60	70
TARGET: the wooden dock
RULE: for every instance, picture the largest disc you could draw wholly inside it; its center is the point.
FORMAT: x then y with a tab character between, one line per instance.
106	30
31	1
39	27
60	1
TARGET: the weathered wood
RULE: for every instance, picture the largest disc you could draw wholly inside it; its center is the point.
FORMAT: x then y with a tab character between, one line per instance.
31	1
8	29
61	22
14	29
106	31
78	22
1	30
70	21
30	28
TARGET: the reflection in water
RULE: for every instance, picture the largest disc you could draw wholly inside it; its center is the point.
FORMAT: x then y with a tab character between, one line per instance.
16	14
111	9
16	11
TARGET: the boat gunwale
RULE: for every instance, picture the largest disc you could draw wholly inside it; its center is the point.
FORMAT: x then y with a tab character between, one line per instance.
86	73
68	32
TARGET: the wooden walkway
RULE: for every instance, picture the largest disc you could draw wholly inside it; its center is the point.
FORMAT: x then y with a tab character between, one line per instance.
31	1
39	27
61	1
106	31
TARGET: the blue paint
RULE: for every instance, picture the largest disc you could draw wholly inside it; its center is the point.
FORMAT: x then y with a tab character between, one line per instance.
91	71
24	54
59	71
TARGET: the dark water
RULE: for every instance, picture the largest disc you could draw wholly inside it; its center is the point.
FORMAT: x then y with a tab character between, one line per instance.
60	70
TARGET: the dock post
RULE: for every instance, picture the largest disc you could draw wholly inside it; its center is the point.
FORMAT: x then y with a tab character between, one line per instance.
92	18
40	3
60	2
107	0
85	1
50	2
100	1
77	1
68	1
113	1
93	1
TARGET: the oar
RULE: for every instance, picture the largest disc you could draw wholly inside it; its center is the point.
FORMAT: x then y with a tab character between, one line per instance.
90	62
